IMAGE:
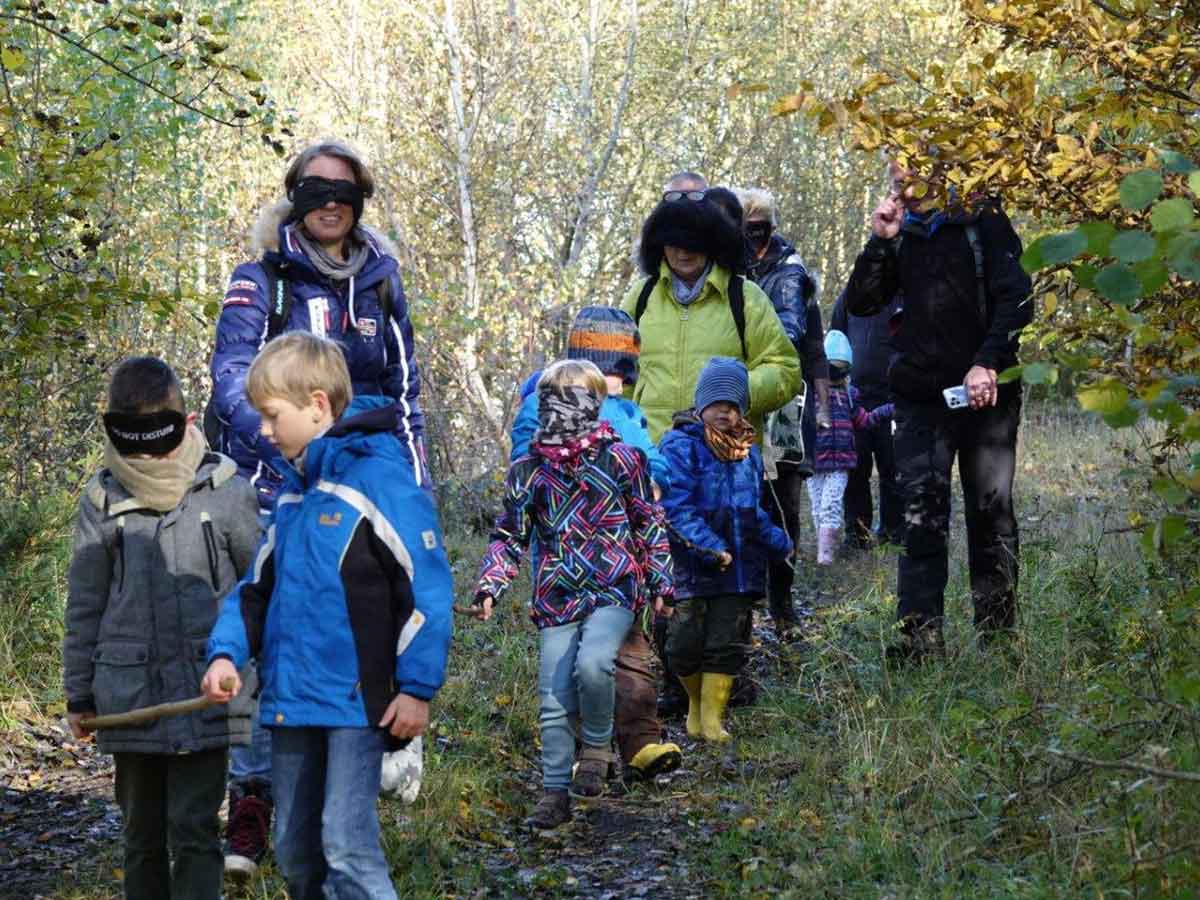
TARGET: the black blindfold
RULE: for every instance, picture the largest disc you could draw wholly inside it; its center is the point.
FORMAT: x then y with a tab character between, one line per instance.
312	192
156	433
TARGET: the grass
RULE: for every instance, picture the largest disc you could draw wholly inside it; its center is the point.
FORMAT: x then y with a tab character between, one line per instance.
846	779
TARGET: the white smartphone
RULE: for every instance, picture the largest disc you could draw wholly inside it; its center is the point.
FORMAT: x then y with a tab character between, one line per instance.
956	397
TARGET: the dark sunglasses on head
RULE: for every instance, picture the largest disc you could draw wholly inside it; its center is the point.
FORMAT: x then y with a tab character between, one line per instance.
694	196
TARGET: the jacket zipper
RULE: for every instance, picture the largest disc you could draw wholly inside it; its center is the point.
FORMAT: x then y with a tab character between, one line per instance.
737	532
121	552
210	546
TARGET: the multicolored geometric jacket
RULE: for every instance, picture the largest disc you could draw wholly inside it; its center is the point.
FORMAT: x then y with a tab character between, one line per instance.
600	538
835	450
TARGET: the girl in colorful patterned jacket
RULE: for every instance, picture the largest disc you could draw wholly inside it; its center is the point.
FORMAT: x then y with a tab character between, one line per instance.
721	540
600	551
836	455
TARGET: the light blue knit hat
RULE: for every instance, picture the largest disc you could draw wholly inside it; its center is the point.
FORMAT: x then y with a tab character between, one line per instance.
837	347
723	378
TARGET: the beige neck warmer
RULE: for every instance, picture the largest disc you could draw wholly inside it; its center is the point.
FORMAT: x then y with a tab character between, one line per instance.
159	483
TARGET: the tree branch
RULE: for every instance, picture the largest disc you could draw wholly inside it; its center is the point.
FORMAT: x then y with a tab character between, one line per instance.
1125	764
122	70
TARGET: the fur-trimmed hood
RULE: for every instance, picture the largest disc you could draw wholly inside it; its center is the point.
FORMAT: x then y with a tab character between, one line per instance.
264	235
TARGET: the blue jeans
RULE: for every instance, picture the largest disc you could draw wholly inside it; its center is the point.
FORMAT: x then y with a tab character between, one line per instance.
326	784
575	679
252	762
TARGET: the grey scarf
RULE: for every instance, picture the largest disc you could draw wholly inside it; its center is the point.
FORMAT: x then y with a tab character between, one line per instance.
356	245
685	294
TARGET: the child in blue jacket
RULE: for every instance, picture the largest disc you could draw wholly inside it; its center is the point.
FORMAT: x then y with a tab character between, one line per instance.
608	337
721	539
347	608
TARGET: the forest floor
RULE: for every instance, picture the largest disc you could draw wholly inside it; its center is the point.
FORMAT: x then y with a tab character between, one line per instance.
845	778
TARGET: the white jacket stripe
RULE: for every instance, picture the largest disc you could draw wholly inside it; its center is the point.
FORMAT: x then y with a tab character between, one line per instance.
408	435
383	528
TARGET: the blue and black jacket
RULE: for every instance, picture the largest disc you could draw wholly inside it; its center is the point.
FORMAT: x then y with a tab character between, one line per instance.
348	601
379	355
713	507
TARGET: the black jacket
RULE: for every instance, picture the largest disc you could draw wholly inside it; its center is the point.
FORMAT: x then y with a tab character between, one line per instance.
783	278
871	342
941	332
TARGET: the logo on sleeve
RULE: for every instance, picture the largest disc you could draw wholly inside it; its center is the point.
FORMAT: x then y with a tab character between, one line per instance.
430	539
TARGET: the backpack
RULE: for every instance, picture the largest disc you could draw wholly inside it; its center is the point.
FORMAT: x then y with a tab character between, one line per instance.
279	298
737	306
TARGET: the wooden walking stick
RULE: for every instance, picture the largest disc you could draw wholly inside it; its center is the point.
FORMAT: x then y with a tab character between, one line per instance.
150	713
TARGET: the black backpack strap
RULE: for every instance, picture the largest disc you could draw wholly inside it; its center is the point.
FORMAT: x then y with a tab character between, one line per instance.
737	307
972	231
643	299
279	298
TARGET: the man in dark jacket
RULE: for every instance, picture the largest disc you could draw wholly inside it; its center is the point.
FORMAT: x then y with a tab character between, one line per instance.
869	341
966	298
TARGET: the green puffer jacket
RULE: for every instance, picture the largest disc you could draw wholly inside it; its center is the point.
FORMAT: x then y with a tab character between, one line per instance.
143	592
678	340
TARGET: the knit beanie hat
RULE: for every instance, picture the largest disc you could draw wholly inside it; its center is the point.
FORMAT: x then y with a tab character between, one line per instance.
607	337
723	379
837	347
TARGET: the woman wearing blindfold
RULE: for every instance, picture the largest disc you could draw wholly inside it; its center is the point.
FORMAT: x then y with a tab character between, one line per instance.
320	270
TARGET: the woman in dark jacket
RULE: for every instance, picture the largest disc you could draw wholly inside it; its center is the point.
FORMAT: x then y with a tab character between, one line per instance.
343	280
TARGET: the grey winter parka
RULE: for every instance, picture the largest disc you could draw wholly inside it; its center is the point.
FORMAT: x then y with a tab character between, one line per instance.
143	593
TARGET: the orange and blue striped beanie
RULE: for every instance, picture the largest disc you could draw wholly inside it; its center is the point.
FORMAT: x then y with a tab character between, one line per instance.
608	337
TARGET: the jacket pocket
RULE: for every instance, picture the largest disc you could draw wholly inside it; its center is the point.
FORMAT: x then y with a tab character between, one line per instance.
121	681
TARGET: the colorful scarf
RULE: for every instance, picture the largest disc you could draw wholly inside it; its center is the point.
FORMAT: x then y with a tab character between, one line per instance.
573	449
731	445
565	414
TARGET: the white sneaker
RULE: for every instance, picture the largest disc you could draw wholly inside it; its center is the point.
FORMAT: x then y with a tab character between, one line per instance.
401	775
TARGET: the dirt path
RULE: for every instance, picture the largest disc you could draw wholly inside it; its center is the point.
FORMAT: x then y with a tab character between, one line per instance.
56	809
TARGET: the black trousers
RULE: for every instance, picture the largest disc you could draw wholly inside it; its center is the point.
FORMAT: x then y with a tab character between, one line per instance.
928	438
170	803
876	450
783	500
710	634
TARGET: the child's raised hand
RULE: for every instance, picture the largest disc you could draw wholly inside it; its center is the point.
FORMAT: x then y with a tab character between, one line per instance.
221	682
481	609
406	717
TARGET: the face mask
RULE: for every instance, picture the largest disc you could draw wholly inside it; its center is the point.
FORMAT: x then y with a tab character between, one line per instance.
156	433
758	233
313	192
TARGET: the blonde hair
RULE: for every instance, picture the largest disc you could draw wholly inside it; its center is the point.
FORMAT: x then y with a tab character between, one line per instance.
575	373
294	365
757	203
338	150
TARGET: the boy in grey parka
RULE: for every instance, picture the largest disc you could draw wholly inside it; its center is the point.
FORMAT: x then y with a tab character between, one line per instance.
165	530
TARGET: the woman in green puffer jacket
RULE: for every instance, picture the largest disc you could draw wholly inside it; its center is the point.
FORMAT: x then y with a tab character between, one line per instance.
691	307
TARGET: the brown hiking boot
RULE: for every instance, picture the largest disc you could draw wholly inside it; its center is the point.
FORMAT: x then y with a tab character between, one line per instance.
552	810
919	643
591	771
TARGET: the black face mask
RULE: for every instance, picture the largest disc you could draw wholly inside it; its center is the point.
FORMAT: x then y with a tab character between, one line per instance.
156	433
312	192
757	234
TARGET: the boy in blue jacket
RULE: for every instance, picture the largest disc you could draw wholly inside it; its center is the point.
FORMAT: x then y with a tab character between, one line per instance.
347	608
721	539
